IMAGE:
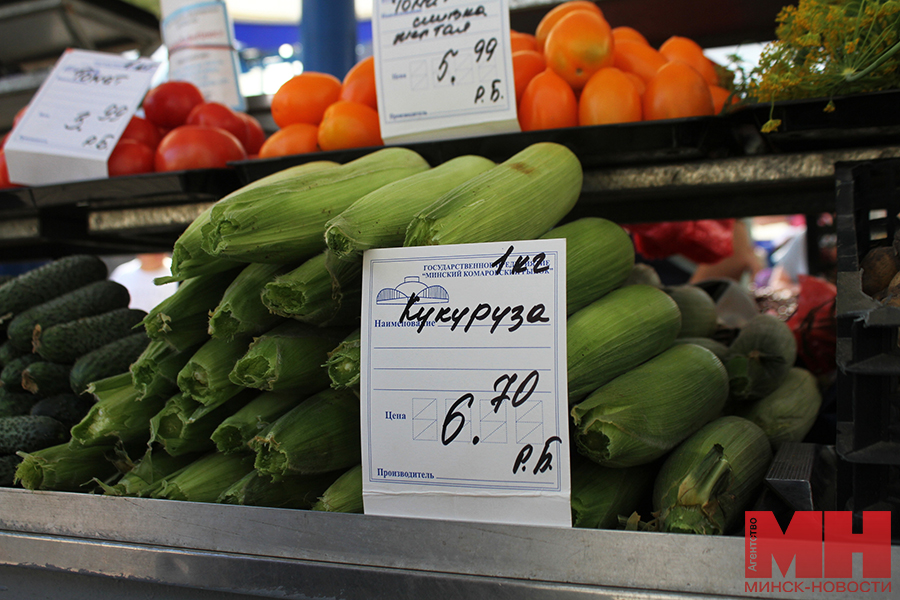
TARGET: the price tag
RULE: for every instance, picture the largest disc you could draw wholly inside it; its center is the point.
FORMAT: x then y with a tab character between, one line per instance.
76	117
443	69
463	383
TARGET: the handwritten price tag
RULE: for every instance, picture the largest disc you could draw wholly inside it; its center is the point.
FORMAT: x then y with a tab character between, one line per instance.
463	383
74	121
443	69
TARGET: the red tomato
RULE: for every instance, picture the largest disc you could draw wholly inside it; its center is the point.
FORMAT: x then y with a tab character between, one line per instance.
254	135
143	131
197	147
216	114
168	104
130	157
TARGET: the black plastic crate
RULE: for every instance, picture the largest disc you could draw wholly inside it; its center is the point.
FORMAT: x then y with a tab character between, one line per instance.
862	487
867	354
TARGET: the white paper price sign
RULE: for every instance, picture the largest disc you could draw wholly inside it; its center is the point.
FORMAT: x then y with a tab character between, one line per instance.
463	383
443	69
76	117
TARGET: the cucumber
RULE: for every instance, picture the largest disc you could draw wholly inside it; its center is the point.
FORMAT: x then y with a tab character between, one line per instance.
91	299
66	342
16	403
46	378
47	282
27	433
11	375
67	408
106	361
8	352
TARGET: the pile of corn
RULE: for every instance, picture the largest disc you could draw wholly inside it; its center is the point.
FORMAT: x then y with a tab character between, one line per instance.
249	390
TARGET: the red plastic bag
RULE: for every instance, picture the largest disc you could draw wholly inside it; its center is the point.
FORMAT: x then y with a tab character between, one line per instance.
705	242
814	324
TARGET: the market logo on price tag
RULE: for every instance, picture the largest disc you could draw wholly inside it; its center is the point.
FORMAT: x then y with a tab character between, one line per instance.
463	383
443	69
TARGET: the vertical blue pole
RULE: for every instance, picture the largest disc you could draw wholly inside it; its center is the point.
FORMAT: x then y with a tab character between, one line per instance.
328	36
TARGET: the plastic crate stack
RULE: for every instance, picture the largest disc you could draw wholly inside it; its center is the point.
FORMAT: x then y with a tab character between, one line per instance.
868	348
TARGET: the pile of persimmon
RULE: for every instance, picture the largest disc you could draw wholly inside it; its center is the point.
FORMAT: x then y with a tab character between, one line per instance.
317	111
576	69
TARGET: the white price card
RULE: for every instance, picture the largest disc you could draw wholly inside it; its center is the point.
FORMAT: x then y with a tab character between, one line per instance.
463	383
76	117
443	69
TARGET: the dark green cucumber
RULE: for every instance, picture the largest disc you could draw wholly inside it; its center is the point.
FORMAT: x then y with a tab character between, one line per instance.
66	342
46	378
67	408
11	375
107	360
47	282
15	403
27	433
92	299
8	352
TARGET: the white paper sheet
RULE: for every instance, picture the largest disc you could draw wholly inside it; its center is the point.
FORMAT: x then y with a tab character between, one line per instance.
463	383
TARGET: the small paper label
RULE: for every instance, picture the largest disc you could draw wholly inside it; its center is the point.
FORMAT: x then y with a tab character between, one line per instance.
76	118
463	383
443	69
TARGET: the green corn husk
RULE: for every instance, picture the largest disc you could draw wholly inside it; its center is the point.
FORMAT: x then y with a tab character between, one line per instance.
706	483
182	319
379	219
714	346
321	434
521	198
698	310
760	357
343	362
63	468
206	478
284	222
642	414
290	356
118	416
295	491
8	465
15	403
155	371
344	495
788	413
189	259
205	375
643	274
321	291
235	432
599	258
182	426
600	495
616	333
147	474
241	310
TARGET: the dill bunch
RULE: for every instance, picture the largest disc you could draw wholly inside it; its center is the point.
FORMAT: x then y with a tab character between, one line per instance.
829	47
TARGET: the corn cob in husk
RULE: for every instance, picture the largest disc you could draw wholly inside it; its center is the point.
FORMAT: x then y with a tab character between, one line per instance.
284	221
343	362
182	426
63	468
788	413
599	258
616	333
643	413
293	491
321	434
521	198
344	495
155	371
289	356
241	310
600	495
379	219
322	291
205	375
206	478
760	357
698	310
234	433
8	465
146	474
182	319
